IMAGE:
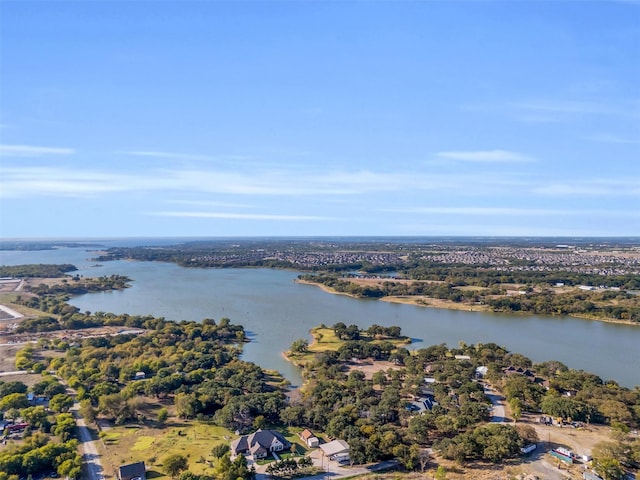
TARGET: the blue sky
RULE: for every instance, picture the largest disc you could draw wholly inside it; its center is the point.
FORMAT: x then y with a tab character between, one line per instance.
216	118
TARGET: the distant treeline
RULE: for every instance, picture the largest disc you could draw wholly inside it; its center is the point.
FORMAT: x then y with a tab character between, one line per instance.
37	270
31	246
484	276
80	285
606	304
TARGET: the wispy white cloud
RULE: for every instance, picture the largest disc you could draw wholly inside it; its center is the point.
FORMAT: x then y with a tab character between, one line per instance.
609	138
195	157
168	155
561	110
206	203
567	107
506	211
545	110
242	216
496	230
482	156
33	181
593	188
21	181
32	151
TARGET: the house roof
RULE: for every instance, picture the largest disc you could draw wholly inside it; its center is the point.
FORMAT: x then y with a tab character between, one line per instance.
306	434
424	403
335	447
132	470
257	440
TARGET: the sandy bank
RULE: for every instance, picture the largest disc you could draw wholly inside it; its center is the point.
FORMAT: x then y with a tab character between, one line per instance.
430	302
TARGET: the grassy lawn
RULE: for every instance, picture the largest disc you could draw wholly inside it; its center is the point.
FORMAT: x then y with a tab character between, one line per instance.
194	440
9	298
325	339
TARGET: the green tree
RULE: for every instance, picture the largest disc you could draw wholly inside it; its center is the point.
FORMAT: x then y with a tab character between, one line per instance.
186	405
61	403
163	414
220	450
87	411
14	400
174	464
608	468
259	422
65	426
71	467
299	346
35	416
516	408
441	473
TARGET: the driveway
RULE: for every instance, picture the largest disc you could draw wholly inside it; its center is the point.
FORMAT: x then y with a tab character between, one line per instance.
333	469
498	414
90	456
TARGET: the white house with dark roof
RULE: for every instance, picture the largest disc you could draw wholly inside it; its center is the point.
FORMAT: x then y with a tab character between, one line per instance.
259	444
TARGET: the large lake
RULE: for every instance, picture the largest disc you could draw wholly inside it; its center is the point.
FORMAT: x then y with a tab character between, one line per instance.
275	311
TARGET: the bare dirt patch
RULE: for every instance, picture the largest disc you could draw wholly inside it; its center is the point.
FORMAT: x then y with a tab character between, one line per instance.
68	335
29	379
423	301
369	367
381	281
580	440
8	357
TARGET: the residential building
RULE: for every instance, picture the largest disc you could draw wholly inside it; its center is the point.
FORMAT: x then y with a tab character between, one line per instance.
259	444
132	471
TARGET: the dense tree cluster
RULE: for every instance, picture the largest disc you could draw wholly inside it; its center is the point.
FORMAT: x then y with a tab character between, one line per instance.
483	276
80	285
37	270
615	304
195	363
618	305
38	452
493	442
612	458
372	414
573	394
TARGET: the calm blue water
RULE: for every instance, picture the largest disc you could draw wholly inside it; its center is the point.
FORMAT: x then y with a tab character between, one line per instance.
276	311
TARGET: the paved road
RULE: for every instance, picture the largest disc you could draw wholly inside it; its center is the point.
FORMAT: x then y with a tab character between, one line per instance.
15	372
537	459
90	456
11	312
336	472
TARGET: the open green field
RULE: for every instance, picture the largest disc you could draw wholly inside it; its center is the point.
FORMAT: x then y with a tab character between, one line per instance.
9	299
193	439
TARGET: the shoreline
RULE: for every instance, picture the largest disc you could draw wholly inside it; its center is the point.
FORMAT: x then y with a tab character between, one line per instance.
418	302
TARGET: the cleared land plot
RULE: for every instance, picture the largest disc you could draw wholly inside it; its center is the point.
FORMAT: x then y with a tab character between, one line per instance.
193	439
